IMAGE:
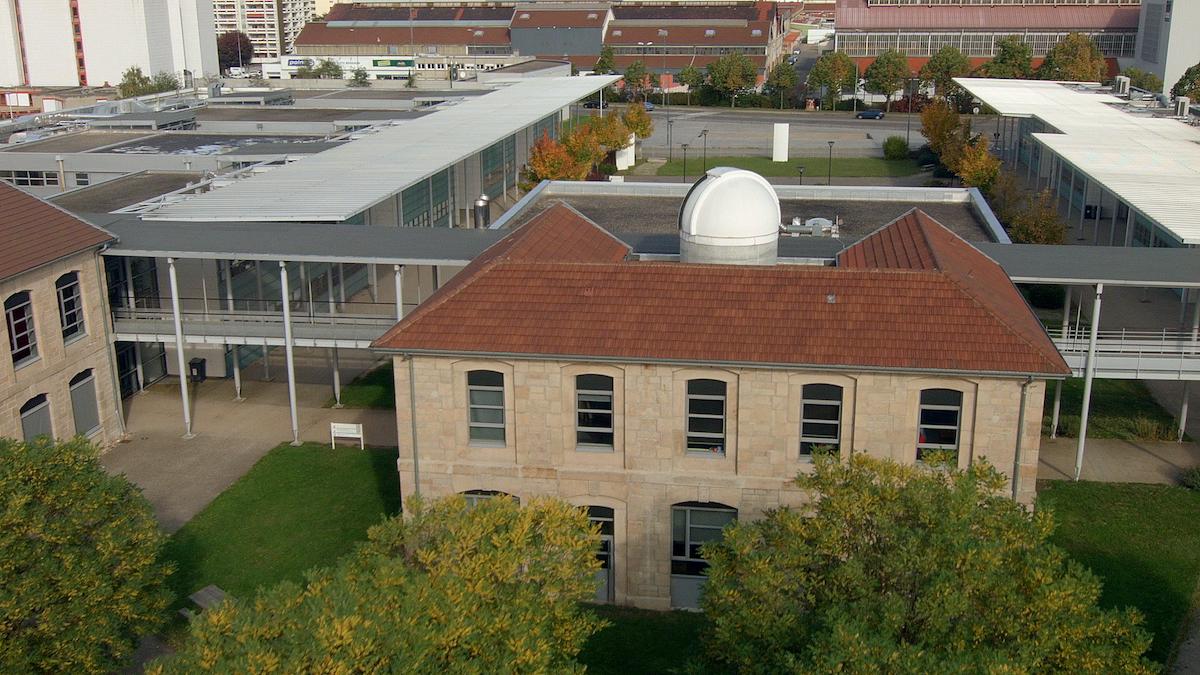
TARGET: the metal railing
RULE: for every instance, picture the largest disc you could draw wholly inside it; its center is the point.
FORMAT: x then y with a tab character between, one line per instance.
271	312
1163	342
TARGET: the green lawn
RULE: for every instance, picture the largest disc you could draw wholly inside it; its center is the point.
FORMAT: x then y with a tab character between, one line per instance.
297	508
1143	541
373	389
642	641
1121	409
815	168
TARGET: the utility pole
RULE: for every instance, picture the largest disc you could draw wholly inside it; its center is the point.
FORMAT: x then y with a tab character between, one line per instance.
704	161
829	176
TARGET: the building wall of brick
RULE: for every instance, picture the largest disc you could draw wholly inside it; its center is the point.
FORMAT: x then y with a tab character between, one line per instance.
59	362
648	470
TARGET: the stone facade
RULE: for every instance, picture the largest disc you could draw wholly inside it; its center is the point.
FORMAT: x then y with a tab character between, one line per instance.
59	360
648	470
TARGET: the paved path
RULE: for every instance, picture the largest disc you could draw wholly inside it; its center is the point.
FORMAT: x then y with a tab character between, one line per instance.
180	477
1114	461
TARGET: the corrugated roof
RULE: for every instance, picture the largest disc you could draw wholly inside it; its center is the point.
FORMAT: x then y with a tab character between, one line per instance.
1151	163
34	232
373	12
522	301
688	36
315	34
558	18
339	183
759	11
858	15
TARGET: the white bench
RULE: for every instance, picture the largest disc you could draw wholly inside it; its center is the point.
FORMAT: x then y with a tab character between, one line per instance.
343	430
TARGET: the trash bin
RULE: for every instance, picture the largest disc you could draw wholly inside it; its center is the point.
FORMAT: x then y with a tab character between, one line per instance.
197	370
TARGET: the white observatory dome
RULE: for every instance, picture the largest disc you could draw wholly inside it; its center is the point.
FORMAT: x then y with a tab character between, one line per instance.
730	216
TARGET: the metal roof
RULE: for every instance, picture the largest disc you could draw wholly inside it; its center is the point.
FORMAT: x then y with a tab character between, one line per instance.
307	242
1151	163
339	183
1085	265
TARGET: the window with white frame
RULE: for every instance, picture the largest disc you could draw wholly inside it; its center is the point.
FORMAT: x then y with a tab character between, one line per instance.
820	418
706	417
35	418
22	340
939	420
70	305
594	412
485	403
475	497
83	403
694	524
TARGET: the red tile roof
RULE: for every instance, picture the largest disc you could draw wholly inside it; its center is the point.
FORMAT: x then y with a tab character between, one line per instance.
367	12
33	232
560	287
688	36
558	18
323	34
857	15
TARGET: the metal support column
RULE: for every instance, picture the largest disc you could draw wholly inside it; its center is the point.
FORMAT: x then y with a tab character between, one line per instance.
1082	205
398	275
183	371
237	363
1183	410
1089	372
1058	386
1096	220
1129	228
337	380
288	349
1112	228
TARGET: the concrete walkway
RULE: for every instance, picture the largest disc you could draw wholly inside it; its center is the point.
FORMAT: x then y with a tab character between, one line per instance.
180	477
1113	461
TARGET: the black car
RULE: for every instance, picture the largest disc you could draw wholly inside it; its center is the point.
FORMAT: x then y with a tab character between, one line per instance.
600	105
870	115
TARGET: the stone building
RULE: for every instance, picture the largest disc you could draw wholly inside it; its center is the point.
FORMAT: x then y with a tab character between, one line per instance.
59	377
670	398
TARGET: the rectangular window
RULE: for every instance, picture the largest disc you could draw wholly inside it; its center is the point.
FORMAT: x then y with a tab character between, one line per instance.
594	412
70	306
940	415
485	402
22	341
820	418
82	180
691	528
83	404
706	417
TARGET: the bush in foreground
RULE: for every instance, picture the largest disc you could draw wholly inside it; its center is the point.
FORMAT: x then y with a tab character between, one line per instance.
895	147
903	569
80	572
447	589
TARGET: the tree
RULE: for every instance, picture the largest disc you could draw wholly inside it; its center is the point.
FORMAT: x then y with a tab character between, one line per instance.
833	72
895	147
163	82
941	69
133	83
940	125
732	73
898	568
638	121
605	64
887	74
976	165
782	79
359	78
550	160
81	577
584	146
636	80
325	69
448	588
611	132
1143	80
1075	58
1038	222
1013	60
693	77
234	48
1189	84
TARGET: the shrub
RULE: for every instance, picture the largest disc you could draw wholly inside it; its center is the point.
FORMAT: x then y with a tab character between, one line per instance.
1191	478
895	147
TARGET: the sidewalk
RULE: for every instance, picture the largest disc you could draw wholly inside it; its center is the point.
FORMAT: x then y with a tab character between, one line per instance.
1114	461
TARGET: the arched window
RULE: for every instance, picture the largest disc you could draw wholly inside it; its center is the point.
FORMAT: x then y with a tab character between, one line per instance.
594	412
22	341
83	403
35	418
70	306
474	497
706	416
485	404
694	524
939	420
604	519
820	418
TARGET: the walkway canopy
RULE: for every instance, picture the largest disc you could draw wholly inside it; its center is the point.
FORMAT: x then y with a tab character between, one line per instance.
1108	265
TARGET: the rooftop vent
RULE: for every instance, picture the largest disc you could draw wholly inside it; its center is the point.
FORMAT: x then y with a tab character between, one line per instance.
1182	106
730	217
616	33
710	32
1121	85
592	15
757	32
524	16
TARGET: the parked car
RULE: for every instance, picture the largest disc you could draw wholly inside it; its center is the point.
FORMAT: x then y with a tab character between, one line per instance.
870	115
600	105
649	105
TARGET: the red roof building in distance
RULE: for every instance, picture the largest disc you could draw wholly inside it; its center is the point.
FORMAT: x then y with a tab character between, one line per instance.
867	28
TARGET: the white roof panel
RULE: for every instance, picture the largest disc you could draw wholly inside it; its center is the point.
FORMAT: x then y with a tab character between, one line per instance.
1151	163
337	184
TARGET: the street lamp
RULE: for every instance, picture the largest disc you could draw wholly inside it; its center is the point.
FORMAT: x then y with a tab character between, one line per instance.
670	147
475	35
908	118
801	175
704	162
685	147
663	79
644	53
829	176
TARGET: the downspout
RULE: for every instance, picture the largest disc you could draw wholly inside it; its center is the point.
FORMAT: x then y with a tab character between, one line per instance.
412	406
1016	475
109	345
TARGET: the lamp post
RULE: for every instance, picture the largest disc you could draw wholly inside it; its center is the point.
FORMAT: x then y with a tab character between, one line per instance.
855	89
801	175
644	53
908	117
663	78
475	34
829	176
704	161
670	147
685	147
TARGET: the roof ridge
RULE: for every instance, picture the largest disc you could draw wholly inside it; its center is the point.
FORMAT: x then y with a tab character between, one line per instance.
922	227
